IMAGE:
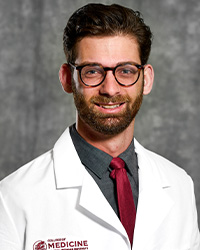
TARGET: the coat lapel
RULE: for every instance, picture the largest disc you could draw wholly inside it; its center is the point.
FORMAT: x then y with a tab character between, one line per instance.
70	173
96	204
154	203
67	165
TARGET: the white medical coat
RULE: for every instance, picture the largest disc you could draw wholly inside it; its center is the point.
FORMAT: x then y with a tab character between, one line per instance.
54	203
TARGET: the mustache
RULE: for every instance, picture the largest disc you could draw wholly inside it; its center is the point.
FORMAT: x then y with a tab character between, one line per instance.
106	100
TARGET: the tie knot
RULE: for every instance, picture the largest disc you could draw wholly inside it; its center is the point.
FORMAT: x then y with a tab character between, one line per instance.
117	163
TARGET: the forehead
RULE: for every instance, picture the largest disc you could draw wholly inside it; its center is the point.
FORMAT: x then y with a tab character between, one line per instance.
108	50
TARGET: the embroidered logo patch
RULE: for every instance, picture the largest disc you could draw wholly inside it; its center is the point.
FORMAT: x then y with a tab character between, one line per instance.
61	244
40	245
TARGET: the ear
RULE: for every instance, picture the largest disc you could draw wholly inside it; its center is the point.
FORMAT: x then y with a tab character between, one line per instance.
65	77
148	79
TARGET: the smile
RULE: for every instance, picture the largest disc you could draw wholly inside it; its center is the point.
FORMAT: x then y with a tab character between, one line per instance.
109	106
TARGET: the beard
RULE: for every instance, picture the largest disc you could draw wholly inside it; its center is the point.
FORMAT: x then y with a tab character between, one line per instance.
107	124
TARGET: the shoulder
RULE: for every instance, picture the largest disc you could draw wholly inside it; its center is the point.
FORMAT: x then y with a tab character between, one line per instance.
37	169
25	186
162	166
28	174
39	174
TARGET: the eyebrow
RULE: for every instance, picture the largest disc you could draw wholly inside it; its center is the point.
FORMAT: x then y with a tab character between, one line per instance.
97	63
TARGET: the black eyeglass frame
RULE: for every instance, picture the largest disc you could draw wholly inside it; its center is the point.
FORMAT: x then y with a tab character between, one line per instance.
113	69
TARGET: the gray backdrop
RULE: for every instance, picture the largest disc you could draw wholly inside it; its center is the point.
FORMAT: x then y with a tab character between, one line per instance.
34	110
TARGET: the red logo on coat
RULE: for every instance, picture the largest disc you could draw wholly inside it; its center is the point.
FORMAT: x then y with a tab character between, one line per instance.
40	245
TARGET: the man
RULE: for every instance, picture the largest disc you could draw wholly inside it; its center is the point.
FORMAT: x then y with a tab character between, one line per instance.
98	188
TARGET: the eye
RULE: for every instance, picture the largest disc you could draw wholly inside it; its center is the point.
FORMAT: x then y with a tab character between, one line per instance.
127	70
91	71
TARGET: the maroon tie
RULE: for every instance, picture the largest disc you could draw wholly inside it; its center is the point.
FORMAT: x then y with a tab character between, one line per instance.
126	204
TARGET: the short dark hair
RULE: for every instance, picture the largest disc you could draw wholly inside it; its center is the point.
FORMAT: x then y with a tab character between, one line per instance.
106	20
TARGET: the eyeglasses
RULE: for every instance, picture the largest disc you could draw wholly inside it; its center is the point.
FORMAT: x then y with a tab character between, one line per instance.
92	75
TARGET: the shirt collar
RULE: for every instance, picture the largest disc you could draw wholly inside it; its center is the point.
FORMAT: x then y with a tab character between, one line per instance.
97	160
130	158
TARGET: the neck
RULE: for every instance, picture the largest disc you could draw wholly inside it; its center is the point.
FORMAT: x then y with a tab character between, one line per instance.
113	145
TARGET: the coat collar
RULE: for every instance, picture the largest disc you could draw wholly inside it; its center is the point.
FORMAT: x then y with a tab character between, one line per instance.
150	168
65	155
153	205
68	168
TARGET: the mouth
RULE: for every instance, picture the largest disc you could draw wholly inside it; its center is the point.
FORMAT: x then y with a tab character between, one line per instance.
109	105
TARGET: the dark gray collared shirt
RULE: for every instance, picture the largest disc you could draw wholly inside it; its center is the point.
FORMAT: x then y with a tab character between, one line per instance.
97	164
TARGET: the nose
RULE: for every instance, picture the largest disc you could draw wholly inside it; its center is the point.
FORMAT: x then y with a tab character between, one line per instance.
110	86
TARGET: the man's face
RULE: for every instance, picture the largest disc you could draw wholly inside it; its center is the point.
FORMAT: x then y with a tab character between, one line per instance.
108	108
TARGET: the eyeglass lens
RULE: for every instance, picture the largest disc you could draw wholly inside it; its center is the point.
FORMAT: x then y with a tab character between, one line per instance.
93	75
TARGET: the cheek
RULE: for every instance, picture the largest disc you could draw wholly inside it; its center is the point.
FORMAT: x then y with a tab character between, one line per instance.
81	90
139	86
76	85
89	93
135	92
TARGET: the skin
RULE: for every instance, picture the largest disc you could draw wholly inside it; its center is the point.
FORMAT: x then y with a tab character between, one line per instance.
108	51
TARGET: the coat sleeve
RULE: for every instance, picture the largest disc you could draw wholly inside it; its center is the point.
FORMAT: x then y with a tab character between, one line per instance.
195	236
9	239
